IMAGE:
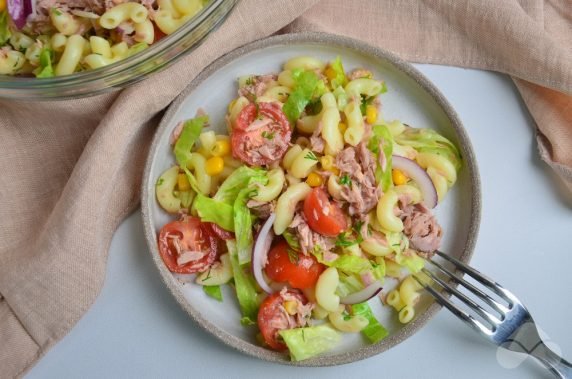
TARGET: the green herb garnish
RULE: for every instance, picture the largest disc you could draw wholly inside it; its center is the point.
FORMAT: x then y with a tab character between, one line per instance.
311	156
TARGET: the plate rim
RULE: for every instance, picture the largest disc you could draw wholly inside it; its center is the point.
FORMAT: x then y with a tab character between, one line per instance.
327	39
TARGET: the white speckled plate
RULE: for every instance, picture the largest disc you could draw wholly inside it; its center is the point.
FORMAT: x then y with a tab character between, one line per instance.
411	98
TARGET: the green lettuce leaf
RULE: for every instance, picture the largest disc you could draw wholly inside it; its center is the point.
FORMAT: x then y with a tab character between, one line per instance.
5	33
413	262
307	83
237	181
429	141
243	226
304	343
351	264
214	292
378	269
381	134
374	331
45	70
210	210
244	285
291	240
191	130
349	283
340	80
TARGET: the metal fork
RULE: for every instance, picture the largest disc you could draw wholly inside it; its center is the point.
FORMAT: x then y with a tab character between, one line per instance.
509	325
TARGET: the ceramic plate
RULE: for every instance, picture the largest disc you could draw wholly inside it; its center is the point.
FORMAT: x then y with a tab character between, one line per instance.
411	98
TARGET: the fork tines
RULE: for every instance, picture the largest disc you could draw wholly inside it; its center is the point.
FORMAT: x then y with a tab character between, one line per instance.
445	301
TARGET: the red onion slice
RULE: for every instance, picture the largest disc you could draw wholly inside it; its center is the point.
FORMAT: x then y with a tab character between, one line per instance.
420	176
260	253
19	11
363	295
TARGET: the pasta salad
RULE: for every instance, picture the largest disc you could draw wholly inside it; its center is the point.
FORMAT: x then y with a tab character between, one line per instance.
308	207
47	38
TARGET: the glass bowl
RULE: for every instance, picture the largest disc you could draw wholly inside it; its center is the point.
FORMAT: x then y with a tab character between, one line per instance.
125	72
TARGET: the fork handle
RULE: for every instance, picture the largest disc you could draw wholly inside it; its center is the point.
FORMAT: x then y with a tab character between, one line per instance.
554	362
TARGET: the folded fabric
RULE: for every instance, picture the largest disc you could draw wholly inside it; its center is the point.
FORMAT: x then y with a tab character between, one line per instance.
71	170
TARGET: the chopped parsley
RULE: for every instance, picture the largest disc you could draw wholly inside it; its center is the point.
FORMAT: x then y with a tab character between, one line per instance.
343	240
311	156
160	181
56	12
249	81
268	135
345	180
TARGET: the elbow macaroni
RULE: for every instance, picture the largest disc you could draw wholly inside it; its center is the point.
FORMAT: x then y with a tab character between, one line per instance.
123	12
271	190
71	56
286	205
144	32
304	63
303	164
308	124
363	86
164	190
64	22
331	131
385	215
355	131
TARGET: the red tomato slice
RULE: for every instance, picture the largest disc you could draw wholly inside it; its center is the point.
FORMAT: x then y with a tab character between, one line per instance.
270	315
190	235
322	215
261	134
300	271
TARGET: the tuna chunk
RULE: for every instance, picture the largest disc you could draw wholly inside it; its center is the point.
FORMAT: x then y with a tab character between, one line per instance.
307	238
422	229
362	193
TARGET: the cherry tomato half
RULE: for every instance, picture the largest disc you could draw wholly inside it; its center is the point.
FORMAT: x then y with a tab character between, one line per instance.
261	134
187	235
299	270
271	316
322	215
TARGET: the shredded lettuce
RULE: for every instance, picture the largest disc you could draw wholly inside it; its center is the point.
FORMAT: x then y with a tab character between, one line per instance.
291	240
382	135
378	269
340	80
351	264
374	331
304	343
214	292
429	141
243	226
191	130
244	285
413	262
210	210
348	284
237	181
4	27
46	70
307	85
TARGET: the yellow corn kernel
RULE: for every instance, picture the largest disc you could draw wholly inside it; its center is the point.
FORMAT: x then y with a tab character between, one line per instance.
330	73
214	166
2	5
314	180
370	114
398	177
221	148
327	162
183	182
290	307
342	126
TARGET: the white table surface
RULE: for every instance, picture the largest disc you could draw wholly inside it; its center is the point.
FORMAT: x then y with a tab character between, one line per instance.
136	329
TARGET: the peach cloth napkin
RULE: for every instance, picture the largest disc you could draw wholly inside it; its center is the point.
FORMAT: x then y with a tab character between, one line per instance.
71	170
